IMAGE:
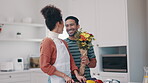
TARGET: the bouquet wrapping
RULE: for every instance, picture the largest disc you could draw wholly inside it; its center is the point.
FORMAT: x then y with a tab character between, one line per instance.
84	41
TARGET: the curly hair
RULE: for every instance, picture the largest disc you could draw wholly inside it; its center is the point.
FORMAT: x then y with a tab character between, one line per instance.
52	15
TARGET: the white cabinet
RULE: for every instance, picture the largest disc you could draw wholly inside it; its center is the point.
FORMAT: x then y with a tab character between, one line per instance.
111	23
13	45
19	77
137	45
123	23
26	76
122	77
39	77
27	32
85	11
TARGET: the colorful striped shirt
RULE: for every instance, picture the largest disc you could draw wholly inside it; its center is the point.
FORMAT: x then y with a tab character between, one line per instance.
74	50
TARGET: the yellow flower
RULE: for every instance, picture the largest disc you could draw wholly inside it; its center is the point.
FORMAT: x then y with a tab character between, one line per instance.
86	35
80	39
83	43
89	39
84	39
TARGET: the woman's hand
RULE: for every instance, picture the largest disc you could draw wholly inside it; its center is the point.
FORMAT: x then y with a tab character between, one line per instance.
68	79
81	78
64	76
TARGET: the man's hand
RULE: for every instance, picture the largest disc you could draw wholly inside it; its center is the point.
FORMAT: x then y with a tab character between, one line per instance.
85	60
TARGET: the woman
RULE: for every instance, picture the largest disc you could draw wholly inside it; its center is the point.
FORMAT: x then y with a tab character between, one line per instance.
55	59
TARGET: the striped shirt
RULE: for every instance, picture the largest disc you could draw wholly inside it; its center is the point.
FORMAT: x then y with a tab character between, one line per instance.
74	50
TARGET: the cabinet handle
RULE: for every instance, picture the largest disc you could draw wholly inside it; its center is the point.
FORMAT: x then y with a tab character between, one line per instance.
94	74
98	45
9	76
98	74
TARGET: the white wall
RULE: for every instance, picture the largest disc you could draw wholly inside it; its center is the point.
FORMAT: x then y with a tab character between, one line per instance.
19	9
137	38
147	27
62	5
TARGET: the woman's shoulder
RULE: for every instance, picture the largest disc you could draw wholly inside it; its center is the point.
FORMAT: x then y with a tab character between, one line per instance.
47	40
64	41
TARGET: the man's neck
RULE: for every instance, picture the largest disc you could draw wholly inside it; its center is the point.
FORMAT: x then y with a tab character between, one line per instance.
72	38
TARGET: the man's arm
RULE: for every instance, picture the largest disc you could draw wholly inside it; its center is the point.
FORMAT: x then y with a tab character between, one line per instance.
91	58
92	63
89	62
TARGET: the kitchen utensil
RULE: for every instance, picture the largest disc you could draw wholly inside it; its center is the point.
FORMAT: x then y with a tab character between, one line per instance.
111	81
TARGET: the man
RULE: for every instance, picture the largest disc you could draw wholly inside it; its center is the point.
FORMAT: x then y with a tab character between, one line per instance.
72	25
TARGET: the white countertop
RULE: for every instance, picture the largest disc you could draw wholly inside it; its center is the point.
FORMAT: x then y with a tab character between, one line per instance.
29	70
134	82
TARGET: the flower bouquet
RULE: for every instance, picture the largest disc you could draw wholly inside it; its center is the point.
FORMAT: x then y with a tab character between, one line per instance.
84	41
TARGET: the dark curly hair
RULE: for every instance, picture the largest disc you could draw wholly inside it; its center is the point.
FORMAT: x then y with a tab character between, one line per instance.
73	18
52	15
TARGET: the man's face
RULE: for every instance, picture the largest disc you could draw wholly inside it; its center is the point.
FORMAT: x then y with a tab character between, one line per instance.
71	27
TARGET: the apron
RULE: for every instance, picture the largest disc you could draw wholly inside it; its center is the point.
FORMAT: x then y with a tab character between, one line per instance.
62	62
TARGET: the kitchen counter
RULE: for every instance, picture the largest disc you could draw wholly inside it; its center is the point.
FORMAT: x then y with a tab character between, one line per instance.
27	73
134	82
29	70
25	76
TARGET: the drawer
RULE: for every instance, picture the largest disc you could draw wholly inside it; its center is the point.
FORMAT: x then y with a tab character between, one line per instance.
14	77
122	77
15	82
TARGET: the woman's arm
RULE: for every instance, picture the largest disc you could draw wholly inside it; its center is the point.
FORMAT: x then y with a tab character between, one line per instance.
67	78
47	59
46	53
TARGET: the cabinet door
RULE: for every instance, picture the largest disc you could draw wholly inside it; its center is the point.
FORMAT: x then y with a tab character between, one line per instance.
23	82
111	20
122	77
20	77
39	77
85	11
